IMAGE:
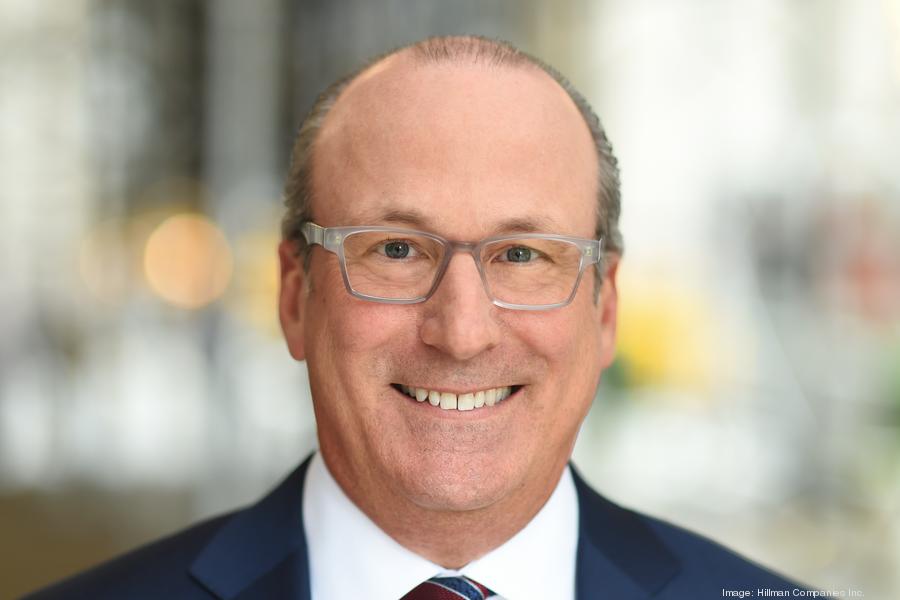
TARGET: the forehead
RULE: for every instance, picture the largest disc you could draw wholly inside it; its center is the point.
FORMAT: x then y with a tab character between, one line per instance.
463	146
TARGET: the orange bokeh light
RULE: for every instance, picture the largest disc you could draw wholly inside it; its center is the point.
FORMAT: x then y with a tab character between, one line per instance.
187	261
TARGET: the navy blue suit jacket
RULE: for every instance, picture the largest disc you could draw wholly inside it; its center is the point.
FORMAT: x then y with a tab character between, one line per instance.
260	553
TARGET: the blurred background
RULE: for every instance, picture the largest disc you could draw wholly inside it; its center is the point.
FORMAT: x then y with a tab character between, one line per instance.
756	395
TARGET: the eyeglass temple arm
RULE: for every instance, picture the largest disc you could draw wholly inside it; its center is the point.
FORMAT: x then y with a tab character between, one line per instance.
594	255
313	233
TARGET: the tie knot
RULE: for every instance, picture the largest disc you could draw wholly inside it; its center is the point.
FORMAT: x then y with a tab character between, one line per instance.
458	587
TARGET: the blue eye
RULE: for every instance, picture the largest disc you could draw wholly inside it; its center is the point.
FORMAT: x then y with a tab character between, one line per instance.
396	249
518	254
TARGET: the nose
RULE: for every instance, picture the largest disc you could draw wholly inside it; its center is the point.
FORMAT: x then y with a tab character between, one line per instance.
459	316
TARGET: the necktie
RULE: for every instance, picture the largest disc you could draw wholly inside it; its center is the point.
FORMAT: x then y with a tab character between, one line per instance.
449	588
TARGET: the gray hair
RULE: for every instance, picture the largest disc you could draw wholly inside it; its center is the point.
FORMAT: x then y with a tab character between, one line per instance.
298	192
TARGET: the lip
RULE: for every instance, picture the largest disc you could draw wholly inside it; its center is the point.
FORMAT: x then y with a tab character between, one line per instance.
486	411
514	387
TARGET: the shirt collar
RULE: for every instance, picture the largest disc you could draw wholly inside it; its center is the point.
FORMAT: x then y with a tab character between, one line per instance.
350	557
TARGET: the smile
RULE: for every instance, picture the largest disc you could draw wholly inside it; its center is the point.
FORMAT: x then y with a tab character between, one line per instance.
451	401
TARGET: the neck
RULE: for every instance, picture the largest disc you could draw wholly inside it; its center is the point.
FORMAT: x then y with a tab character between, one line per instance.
451	538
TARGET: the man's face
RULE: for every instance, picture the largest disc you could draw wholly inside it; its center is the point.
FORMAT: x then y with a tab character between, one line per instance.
464	152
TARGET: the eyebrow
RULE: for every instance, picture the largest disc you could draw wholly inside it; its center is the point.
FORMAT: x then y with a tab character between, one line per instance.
406	217
420	220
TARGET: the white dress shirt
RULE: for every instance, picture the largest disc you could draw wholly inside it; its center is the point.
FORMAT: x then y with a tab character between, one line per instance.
350	557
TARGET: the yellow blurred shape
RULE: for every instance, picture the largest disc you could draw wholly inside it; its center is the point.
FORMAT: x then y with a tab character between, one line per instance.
665	335
254	295
187	261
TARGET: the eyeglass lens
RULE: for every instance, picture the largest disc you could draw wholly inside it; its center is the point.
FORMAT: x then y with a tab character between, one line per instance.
526	270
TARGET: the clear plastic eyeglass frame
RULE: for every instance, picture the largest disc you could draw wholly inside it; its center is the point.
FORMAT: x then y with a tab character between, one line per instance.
332	239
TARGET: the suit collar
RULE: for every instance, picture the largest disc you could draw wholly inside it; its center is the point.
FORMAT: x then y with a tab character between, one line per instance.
260	552
619	556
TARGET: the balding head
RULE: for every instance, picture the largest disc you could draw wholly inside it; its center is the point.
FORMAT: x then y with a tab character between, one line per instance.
300	189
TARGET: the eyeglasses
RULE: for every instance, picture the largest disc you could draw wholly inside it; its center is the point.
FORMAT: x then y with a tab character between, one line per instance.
402	266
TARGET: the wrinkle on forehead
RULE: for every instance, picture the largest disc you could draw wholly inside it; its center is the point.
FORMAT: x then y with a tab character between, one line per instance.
413	218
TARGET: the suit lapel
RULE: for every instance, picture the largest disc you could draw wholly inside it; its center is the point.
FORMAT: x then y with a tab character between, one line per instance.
289	579
619	556
261	551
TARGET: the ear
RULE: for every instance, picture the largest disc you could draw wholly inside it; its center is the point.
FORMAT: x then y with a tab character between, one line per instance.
292	298
607	306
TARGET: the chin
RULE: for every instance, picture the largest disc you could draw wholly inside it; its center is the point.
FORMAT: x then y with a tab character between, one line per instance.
454	484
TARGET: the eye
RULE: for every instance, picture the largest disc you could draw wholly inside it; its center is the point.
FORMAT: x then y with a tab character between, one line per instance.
396	249
518	254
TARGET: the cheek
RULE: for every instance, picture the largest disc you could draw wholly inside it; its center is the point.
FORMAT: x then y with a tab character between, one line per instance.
347	340
368	327
566	337
345	326
569	342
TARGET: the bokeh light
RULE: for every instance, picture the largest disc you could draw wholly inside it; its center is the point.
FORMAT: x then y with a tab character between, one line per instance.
187	261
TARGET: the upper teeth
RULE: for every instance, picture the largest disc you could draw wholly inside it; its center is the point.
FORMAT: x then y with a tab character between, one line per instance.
450	401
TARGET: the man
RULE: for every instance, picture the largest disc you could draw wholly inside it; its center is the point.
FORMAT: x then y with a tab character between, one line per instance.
448	273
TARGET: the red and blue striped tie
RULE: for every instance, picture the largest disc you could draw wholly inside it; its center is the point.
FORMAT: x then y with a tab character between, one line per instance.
449	588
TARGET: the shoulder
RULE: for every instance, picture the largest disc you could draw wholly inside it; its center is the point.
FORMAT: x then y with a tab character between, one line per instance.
159	569
261	547
707	561
663	558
